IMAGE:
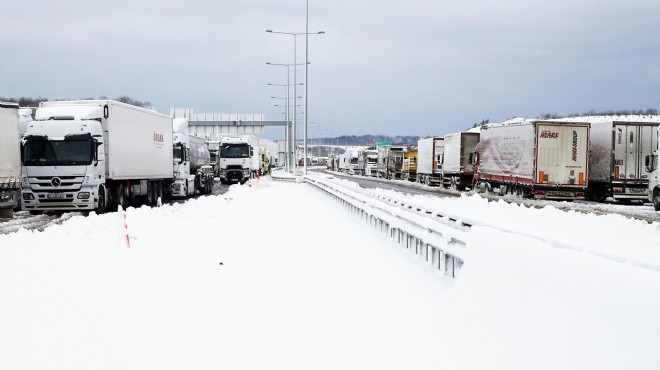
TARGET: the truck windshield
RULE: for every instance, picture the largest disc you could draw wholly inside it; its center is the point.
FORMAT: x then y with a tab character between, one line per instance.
235	151
372	160
42	152
354	160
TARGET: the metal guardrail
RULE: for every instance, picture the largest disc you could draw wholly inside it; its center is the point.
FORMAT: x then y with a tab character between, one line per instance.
438	239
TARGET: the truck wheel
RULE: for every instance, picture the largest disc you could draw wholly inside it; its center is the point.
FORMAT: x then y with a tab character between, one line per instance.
100	207
656	200
121	197
151	196
159	193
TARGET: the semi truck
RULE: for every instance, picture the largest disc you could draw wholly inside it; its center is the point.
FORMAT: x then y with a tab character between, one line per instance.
409	169
84	155
651	166
390	160
616	163
395	162
370	162
193	173
354	162
541	159
214	148
457	171
429	160
10	159
239	158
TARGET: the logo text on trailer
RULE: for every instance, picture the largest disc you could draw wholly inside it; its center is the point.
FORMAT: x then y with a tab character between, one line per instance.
575	143
159	138
549	135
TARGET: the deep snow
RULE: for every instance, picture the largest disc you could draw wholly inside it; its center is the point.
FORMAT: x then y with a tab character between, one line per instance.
277	276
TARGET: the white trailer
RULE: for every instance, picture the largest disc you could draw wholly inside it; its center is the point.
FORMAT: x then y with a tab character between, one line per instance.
193	171
342	163
540	159
239	158
10	159
24	117
89	154
456	168
429	160
616	163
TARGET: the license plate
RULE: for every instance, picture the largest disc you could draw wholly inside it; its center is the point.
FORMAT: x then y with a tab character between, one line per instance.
55	196
637	190
558	194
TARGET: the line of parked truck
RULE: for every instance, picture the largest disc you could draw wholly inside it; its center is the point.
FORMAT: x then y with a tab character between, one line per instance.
88	155
593	158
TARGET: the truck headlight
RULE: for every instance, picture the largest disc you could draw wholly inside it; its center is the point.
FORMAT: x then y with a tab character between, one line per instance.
28	196
83	195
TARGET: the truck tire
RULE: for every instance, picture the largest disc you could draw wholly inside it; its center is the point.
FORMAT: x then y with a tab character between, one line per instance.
100	206
120	197
656	199
210	181
151	195
159	193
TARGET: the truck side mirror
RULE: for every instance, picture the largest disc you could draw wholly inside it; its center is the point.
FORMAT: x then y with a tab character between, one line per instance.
95	147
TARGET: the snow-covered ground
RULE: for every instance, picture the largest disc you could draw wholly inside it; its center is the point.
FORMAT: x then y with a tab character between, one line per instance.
277	276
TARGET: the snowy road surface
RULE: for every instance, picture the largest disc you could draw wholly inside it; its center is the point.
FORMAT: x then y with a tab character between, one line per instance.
277	276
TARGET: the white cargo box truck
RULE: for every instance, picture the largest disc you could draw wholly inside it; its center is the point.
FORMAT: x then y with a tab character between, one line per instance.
89	154
456	168
429	160
10	159
541	159
616	164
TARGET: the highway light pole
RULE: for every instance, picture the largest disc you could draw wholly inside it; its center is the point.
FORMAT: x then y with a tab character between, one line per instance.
295	96
295	58
306	78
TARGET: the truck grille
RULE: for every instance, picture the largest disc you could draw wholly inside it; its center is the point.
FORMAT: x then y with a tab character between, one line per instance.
54	184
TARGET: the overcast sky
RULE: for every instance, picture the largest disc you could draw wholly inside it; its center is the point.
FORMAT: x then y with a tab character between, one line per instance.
414	67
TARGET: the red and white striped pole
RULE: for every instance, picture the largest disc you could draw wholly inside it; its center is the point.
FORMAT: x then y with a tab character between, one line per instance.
124	227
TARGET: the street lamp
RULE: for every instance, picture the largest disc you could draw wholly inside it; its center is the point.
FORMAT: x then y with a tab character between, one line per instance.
290	134
307	77
295	63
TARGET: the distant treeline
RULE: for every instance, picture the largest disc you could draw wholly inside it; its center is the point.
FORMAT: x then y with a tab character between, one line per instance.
622	112
364	140
34	102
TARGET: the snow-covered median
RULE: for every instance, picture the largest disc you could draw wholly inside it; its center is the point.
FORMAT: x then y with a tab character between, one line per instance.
277	276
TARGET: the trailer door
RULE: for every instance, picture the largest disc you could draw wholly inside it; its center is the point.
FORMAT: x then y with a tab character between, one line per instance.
632	143
562	154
